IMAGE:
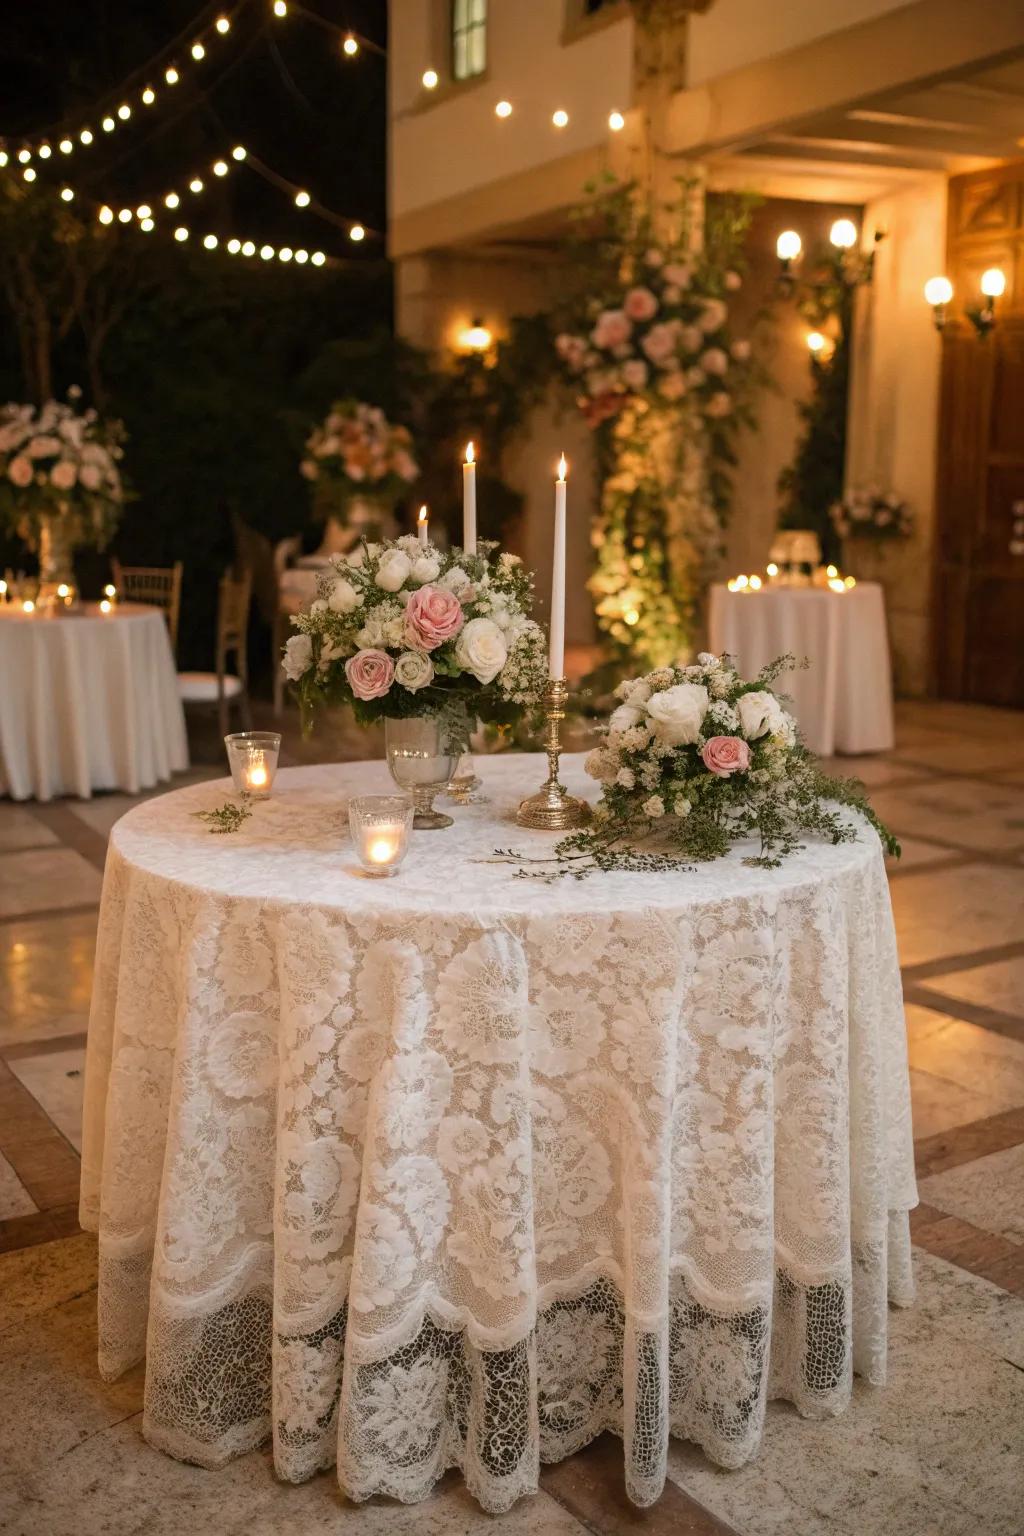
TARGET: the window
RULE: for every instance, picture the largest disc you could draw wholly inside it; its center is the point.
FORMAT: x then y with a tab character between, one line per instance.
469	38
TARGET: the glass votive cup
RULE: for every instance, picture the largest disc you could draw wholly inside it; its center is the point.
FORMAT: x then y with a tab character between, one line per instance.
252	758
380	827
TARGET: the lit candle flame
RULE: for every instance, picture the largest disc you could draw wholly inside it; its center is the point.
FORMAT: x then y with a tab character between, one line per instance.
257	776
63	590
469	454
382	850
28	606
422	515
110	591
562	468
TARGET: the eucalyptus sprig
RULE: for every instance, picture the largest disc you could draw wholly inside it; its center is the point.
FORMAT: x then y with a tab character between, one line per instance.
224	818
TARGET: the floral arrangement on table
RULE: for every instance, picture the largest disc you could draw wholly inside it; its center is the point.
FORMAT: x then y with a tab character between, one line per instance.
400	628
59	473
659	376
358	453
872	514
696	759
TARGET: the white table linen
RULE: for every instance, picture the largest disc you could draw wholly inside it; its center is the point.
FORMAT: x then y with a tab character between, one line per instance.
462	1169
843	701
88	700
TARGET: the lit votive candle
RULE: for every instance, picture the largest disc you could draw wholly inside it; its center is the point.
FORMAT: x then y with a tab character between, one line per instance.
28	606
106	605
252	758
110	592
380	826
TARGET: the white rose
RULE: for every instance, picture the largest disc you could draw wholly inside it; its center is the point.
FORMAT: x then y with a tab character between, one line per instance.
624	718
298	656
481	649
343	597
426	568
456	580
414	670
678	713
760	714
707	659
393	570
681	808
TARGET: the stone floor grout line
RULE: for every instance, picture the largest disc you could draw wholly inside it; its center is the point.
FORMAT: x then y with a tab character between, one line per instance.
6	919
995	1019
73	832
968	1143
32	1143
985	1254
944	965
49	1045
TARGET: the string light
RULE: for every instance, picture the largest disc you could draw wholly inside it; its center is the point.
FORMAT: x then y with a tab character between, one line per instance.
223	25
234	246
3	157
267	252
196	184
147	224
616	122
143	211
106	215
171	75
210	242
108	125
280	8
44	151
220	167
198	51
125	216
318	258
357	233
24	155
65	146
124	111
172	200
238	153
29	173
350	46
302	199
248	248
67	194
149	96
302	257
429	79
181	233
86	136
560	118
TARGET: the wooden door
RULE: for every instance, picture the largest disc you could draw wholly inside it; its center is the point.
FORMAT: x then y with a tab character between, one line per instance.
978	620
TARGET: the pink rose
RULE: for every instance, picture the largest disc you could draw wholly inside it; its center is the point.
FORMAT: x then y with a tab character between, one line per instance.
19	471
640	304
719	405
370	674
572	350
432	617
660	342
613	328
679	273
725	755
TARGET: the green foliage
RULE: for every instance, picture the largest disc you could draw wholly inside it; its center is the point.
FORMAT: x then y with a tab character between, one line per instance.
224	818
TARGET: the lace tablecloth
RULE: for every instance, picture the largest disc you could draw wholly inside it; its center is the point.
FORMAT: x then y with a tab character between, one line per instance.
461	1169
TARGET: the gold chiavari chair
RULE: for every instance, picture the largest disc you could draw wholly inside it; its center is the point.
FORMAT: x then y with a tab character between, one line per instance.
158	585
222	687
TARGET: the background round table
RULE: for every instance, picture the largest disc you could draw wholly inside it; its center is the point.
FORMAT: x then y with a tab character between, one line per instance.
843	701
457	1168
88	700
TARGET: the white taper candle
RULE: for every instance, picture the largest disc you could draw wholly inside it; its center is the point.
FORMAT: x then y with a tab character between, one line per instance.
469	502
422	528
556	643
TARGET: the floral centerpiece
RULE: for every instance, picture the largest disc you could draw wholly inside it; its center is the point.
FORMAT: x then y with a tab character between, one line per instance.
657	371
696	759
401	629
60	481
360	462
872	514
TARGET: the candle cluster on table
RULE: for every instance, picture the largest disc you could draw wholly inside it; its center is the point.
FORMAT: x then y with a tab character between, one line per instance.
824	576
252	758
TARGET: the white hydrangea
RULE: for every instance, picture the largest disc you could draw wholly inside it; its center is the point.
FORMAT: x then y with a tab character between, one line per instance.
654	807
681	807
626	778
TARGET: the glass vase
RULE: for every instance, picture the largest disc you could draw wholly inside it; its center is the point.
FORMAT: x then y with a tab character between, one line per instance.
423	753
56	566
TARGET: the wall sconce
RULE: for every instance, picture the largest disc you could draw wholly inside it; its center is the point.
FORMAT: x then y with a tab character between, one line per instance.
993	286
938	291
819	346
475	337
843	234
787	248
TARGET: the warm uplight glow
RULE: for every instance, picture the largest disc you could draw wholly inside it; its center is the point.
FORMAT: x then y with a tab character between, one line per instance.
560	118
470	454
429	79
843	234
357	232
789	245
563	469
350	46
993	283
503	109
938	290
475	337
616	122
302	199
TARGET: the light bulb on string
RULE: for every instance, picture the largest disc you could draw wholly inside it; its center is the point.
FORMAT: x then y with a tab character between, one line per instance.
357	233
238	153
149	96
181	233
616	122
124	111
44	151
267	252
86	136
234	246
67	195
285	253
196	184
3	157
143	211
198	51
560	118
429	79
302	257
350	46
108	125
248	248
125	216
220	167
318	258
302	199
171	75
65	146
280	8
29	173
503	109
172	200
223	25
24	155
106	215
210	242
147	225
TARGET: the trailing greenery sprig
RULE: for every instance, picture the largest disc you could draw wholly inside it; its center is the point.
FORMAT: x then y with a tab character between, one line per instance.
224	818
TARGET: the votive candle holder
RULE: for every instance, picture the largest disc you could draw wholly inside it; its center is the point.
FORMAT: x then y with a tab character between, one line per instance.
380	827
252	758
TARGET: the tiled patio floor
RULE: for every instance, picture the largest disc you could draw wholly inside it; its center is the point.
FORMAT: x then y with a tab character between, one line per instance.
938	1452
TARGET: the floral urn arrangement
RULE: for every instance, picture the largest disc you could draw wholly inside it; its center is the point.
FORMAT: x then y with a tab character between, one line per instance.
872	514
60	480
360	465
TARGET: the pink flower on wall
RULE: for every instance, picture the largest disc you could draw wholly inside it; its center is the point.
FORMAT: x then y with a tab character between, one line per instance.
613	328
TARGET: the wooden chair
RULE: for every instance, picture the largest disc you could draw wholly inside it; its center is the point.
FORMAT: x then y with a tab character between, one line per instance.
222	687
158	585
286	602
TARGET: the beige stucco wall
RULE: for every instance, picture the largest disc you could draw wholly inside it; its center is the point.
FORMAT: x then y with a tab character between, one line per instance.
894	409
734	33
434	297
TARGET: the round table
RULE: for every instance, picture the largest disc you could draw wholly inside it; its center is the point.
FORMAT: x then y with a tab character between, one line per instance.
843	701
88	700
458	1168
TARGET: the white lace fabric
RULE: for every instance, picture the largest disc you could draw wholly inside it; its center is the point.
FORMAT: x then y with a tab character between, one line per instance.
462	1169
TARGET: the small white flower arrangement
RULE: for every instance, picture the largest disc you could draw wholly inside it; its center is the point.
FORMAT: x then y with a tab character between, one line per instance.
357	451
399	628
60	461
872	514
696	759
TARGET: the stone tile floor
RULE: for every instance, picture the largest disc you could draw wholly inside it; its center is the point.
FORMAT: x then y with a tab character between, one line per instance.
939	1451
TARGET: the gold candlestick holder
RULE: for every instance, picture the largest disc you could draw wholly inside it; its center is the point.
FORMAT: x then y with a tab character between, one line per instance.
553	809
